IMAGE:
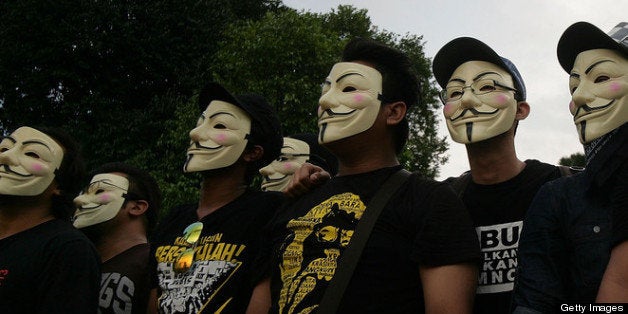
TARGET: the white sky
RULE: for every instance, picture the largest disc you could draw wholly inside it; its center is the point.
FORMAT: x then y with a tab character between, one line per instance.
524	31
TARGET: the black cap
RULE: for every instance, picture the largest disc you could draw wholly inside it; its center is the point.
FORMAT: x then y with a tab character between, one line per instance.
464	49
583	36
265	126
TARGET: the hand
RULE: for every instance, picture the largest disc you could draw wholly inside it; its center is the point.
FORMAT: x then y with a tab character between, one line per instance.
305	179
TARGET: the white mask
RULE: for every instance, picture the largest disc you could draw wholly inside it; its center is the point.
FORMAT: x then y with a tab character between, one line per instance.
278	173
350	101
101	200
474	118
28	161
599	86
219	138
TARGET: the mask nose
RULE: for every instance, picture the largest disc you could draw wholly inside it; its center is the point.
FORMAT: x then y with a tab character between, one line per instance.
581	96
327	101
197	134
469	100
80	200
266	171
9	157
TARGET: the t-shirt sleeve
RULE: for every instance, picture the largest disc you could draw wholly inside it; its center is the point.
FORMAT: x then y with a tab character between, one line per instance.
269	237
71	277
447	235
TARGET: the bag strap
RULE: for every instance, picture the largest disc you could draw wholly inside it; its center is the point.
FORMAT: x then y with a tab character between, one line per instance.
566	171
349	259
459	184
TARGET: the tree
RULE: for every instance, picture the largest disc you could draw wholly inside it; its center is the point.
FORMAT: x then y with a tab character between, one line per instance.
286	55
95	68
122	76
574	160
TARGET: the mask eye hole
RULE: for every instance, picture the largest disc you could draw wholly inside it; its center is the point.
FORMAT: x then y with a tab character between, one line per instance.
601	78
32	155
220	126
99	191
348	89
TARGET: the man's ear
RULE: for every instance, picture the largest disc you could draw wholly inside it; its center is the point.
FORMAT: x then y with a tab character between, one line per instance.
253	154
138	207
523	110
395	112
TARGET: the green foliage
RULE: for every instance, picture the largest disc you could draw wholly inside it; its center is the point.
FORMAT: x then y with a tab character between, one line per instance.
121	76
286	55
94	67
576	159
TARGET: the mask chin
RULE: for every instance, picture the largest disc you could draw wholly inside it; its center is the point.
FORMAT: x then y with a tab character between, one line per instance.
474	132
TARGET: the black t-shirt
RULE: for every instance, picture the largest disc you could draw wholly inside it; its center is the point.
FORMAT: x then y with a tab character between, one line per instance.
220	279
50	268
424	223
125	283
497	211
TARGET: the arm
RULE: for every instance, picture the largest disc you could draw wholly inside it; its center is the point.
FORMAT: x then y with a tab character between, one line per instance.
305	179
543	256
260	300
151	308
614	286
449	288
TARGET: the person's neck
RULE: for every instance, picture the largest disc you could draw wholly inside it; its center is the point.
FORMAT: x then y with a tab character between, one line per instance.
18	214
121	239
219	189
363	153
494	160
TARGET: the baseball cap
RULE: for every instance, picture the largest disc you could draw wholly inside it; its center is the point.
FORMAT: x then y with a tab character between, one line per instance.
265	128
583	36
464	49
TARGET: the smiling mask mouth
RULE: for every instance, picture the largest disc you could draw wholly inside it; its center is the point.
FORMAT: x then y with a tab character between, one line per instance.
8	170
474	112
588	109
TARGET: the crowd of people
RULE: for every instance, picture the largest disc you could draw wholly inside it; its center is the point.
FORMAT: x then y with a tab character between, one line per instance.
338	225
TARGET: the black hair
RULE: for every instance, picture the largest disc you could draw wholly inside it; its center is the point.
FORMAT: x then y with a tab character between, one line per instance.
142	186
69	176
399	80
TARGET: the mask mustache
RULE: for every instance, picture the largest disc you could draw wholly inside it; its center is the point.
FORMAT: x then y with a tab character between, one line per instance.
473	111
586	108
332	113
7	169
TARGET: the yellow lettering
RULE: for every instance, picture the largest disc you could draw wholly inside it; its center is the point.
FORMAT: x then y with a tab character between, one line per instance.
227	253
217	252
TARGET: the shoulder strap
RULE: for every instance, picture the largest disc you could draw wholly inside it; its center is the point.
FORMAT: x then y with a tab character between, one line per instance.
349	258
566	171
460	183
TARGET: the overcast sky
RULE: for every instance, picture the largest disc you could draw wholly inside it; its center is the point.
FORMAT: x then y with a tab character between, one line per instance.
524	31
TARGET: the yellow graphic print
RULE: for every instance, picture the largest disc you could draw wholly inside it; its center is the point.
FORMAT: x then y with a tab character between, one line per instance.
316	241
215	261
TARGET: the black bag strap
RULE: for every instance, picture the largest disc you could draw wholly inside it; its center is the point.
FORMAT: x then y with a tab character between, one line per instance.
459	184
349	259
566	171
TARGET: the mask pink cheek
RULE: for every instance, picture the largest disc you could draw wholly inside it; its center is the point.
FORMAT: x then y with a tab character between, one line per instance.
448	109
104	198
358	98
38	169
222	139
615	88
501	99
572	107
